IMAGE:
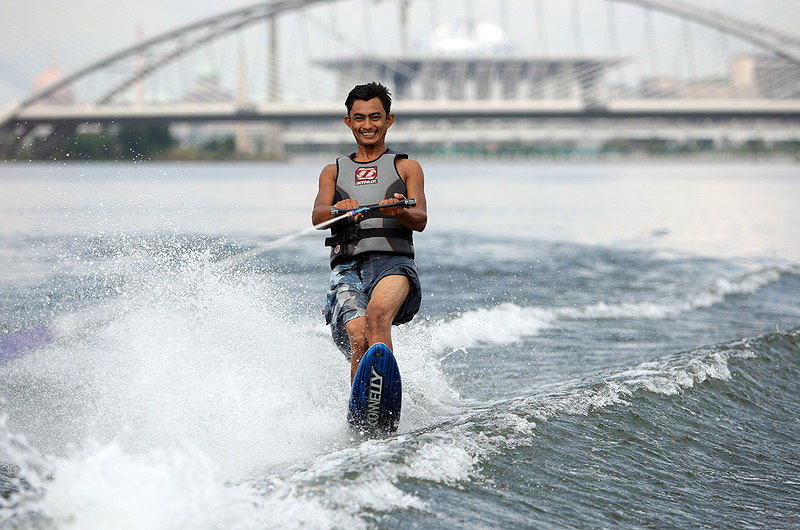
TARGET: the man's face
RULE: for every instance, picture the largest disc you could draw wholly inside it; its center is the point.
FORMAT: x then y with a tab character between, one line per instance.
369	122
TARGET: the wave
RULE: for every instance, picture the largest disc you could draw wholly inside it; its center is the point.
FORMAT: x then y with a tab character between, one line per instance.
180	392
722	288
668	376
515	422
161	382
352	483
456	450
711	422
509	322
502	324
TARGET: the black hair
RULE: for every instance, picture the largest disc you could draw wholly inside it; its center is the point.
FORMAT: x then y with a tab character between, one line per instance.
367	92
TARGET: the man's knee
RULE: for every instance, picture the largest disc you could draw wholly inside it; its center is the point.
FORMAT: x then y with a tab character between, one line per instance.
386	300
379	316
356	331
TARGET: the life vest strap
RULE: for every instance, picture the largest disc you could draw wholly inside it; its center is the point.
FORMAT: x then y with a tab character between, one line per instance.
354	233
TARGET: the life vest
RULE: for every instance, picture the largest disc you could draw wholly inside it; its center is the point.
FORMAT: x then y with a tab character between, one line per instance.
369	183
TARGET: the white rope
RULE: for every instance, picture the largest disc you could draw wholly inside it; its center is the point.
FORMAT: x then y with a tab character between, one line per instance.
234	260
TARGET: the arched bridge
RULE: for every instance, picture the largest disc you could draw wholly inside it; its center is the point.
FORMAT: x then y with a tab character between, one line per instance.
498	84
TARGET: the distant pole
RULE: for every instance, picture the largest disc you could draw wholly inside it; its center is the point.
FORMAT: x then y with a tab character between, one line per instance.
404	5
725	54
540	28
434	15
139	90
687	42
613	36
273	73
469	12
651	40
576	27
241	98
241	75
505	21
613	31
273	143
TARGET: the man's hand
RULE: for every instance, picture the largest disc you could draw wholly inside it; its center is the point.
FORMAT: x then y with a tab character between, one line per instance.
349	204
391	212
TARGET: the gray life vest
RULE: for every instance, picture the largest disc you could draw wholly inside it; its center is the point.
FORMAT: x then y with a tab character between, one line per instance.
369	183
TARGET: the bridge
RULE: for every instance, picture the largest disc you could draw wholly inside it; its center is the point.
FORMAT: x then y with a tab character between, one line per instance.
680	72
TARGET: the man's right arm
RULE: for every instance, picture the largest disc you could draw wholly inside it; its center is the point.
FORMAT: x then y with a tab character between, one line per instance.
325	195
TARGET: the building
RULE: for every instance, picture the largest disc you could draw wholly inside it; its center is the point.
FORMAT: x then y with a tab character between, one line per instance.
49	77
766	76
472	61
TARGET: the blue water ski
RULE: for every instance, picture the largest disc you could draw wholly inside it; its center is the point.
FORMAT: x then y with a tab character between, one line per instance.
377	392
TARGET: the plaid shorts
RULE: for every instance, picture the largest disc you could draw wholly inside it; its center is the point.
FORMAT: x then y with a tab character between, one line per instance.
352	282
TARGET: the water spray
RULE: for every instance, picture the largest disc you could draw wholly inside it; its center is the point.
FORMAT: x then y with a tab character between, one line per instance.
16	344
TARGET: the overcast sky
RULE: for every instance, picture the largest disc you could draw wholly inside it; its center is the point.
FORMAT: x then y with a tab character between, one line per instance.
37	33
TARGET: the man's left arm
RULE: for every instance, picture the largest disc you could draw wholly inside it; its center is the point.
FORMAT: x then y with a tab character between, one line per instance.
414	218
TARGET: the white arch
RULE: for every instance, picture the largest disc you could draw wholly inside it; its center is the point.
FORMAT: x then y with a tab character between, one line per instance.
785	45
188	36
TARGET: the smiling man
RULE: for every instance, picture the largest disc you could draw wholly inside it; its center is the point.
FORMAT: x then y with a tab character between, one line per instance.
374	281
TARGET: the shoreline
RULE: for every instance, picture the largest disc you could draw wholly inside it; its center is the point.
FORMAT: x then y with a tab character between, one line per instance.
723	157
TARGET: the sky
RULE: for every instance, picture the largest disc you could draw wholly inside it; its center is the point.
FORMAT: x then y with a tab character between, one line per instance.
41	33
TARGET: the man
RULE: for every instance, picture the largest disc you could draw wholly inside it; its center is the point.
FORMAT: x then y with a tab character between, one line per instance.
374	281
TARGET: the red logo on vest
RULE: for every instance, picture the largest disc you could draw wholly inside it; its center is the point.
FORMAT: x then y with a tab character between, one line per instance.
366	175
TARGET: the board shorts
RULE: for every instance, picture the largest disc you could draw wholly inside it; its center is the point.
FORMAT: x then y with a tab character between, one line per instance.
352	282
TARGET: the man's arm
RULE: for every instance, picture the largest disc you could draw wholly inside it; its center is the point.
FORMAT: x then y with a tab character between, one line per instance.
327	191
415	218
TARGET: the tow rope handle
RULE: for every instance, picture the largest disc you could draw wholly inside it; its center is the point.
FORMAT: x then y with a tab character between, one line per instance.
405	203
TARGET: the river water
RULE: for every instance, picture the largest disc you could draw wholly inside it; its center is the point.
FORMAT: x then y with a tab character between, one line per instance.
607	344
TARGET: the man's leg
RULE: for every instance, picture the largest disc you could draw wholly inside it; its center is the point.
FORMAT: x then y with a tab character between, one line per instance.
357	333
385	302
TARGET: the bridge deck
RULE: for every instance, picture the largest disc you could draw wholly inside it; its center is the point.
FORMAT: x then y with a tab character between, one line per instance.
701	109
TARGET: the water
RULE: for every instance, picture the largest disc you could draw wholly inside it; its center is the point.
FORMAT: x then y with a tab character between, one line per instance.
600	345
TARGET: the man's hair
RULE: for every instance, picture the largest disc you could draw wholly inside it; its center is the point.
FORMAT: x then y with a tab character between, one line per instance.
367	92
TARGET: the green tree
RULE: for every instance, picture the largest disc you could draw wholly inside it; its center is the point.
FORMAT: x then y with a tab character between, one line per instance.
142	141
